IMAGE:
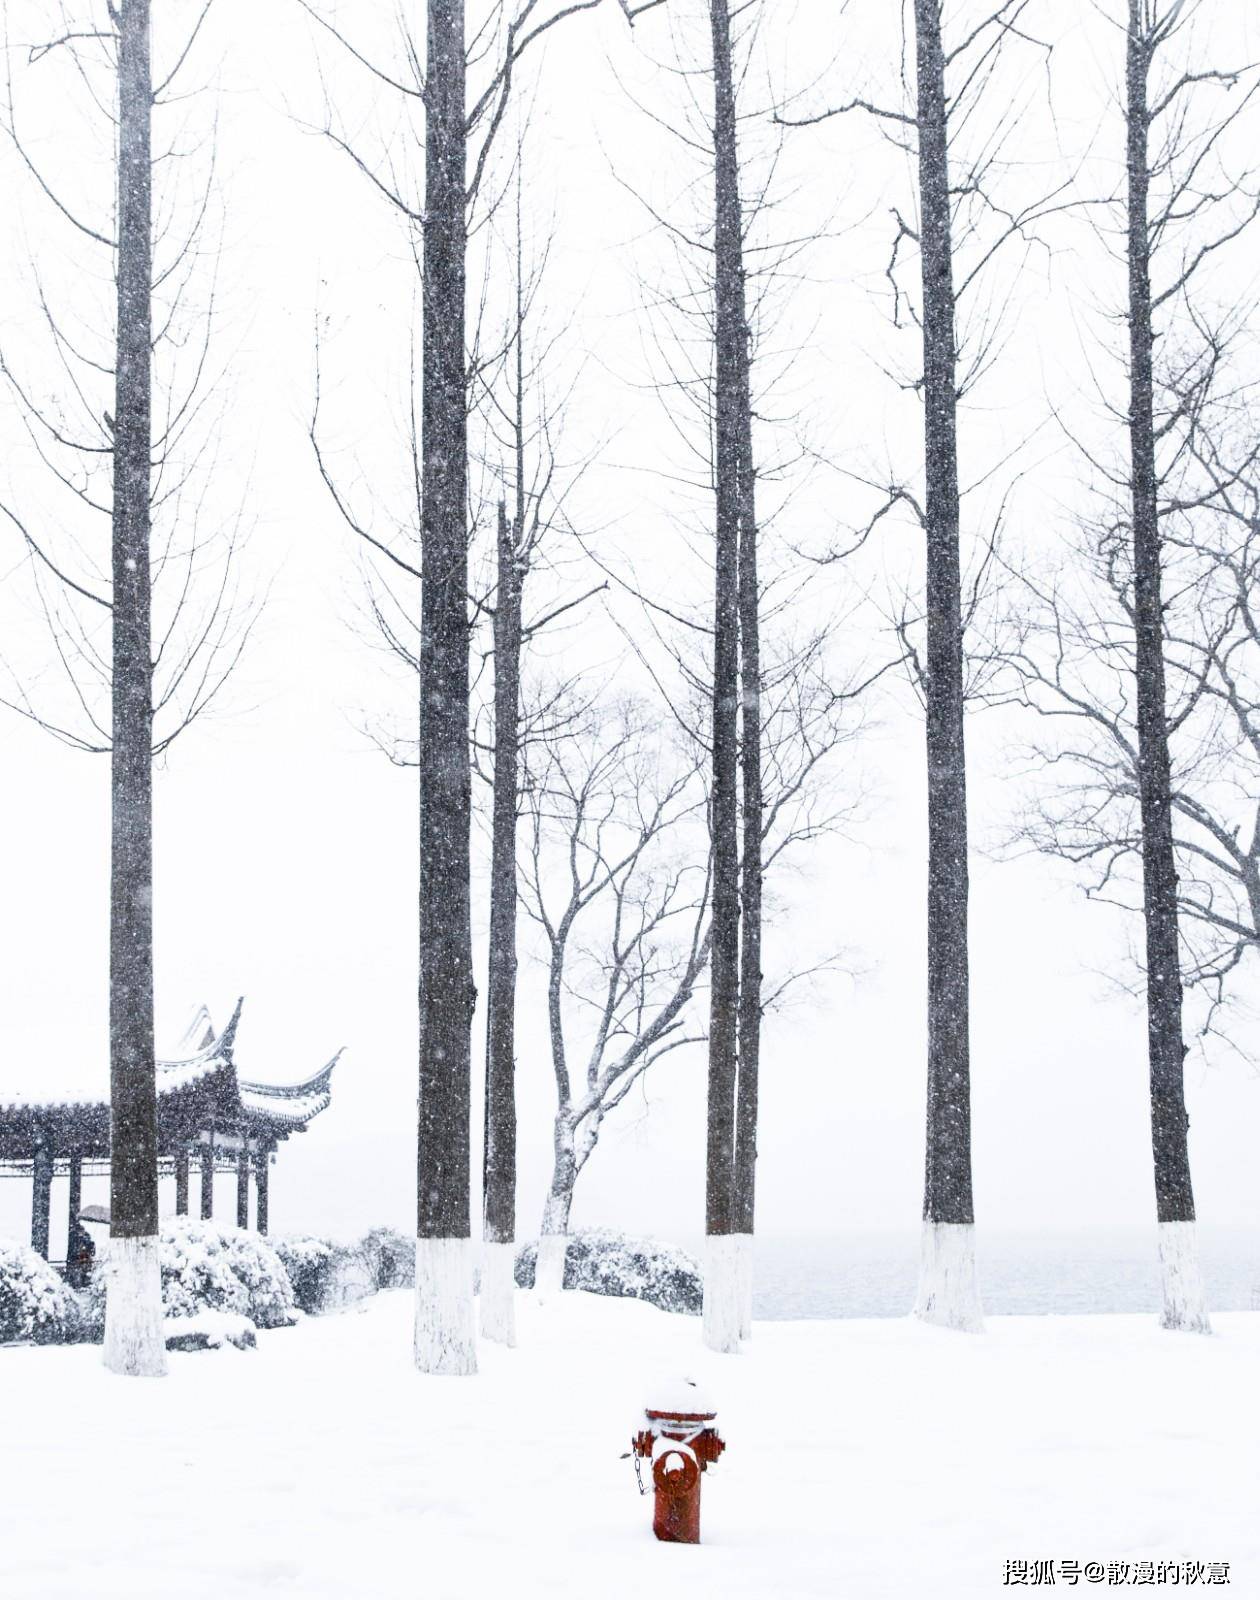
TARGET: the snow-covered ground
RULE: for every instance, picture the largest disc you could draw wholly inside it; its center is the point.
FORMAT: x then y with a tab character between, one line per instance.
865	1459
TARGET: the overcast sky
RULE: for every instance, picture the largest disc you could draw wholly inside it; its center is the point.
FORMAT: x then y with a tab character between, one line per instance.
286	843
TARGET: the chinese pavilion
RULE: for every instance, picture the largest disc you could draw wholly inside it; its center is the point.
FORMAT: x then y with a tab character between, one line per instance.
207	1115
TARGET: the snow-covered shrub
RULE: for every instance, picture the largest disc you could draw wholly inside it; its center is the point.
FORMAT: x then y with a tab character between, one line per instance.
35	1302
209	1267
351	1277
196	1271
604	1261
381	1259
308	1261
390	1256
205	1266
261	1270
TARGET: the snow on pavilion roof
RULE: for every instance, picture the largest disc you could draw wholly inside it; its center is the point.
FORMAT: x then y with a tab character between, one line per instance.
204	1058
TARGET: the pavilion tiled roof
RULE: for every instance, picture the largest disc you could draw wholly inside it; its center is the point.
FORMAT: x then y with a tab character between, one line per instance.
204	1077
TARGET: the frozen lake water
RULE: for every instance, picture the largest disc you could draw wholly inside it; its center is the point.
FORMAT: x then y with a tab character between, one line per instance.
1021	1274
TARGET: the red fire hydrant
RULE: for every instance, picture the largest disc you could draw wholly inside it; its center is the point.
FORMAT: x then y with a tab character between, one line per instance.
681	1444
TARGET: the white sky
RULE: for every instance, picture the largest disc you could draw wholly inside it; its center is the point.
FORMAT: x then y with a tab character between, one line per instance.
286	844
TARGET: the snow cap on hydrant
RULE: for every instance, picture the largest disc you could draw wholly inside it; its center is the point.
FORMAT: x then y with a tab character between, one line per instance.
681	1441
680	1395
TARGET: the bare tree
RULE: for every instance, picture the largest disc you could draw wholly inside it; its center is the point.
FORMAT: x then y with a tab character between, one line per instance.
444	1334
1216	815
520	395
1150	26
1075	662
610	879
1148	657
170	647
752	825
616	815
523	423
706	341
132	1343
947	1198
499	1157
731	423
964	224
458	134
712	319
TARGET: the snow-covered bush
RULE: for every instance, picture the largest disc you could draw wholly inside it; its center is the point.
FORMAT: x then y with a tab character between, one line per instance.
381	1259
390	1257
35	1302
206	1267
350	1278
308	1261
604	1261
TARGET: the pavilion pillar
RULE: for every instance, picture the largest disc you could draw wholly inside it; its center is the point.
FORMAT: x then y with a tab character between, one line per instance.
41	1197
76	1205
207	1182
262	1169
181	1181
242	1186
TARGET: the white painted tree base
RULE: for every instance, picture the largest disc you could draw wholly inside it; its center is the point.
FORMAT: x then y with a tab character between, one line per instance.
498	1293
549	1267
135	1339
948	1293
1185	1306
744	1276
720	1329
444	1340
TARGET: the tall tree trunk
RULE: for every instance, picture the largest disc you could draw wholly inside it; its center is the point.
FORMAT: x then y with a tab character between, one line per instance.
134	1342
749	1052
444	1339
947	1283
750	863
1183	1292
721	1300
499	1166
